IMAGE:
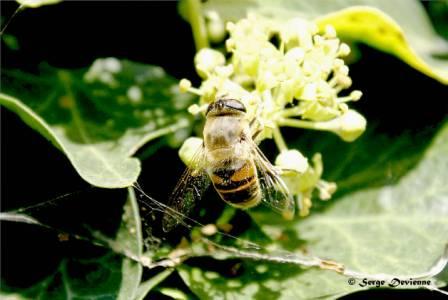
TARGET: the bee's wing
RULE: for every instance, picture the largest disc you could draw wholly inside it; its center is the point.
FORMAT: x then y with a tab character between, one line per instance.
192	184
275	193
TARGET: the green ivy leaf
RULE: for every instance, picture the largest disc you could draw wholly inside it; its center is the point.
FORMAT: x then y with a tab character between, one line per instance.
146	286
78	279
130	239
401	28
101	117
264	281
108	276
401	229
366	162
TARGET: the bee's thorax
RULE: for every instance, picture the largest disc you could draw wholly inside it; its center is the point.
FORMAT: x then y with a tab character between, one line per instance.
224	131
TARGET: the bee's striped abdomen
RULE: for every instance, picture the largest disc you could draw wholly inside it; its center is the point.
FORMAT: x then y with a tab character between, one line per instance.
238	187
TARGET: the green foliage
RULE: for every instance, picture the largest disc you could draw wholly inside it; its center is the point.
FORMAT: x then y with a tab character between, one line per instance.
99	118
104	274
146	286
374	160
129	238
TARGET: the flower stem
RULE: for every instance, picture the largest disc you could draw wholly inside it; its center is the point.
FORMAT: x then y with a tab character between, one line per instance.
290	112
279	141
197	24
300	124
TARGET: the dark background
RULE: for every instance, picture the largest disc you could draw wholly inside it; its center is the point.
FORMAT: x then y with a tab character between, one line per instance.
73	35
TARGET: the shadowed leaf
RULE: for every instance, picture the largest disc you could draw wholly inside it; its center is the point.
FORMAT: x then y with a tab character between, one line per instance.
101	117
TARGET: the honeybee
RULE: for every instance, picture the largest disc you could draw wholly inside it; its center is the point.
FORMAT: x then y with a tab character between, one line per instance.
229	159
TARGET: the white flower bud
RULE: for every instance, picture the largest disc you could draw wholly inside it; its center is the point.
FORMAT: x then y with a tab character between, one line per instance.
309	92
343	107
344	50
230	26
330	32
292	160
216	29
184	85
206	60
318	112
304	203
349	126
301	183
343	70
330	48
266	81
356	95
188	150
298	32
195	109
230	44
338	63
224	71
353	124
246	63
296	54
344	81
326	189
318	40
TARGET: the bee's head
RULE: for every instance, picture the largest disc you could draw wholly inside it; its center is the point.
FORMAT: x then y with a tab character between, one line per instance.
222	107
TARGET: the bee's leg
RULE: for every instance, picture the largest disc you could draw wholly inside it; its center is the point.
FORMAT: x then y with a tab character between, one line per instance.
256	127
256	133
255	124
252	122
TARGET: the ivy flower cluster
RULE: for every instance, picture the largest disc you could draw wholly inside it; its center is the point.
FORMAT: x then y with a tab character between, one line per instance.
287	73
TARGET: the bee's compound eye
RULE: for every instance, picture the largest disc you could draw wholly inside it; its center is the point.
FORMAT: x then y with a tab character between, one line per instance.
236	105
